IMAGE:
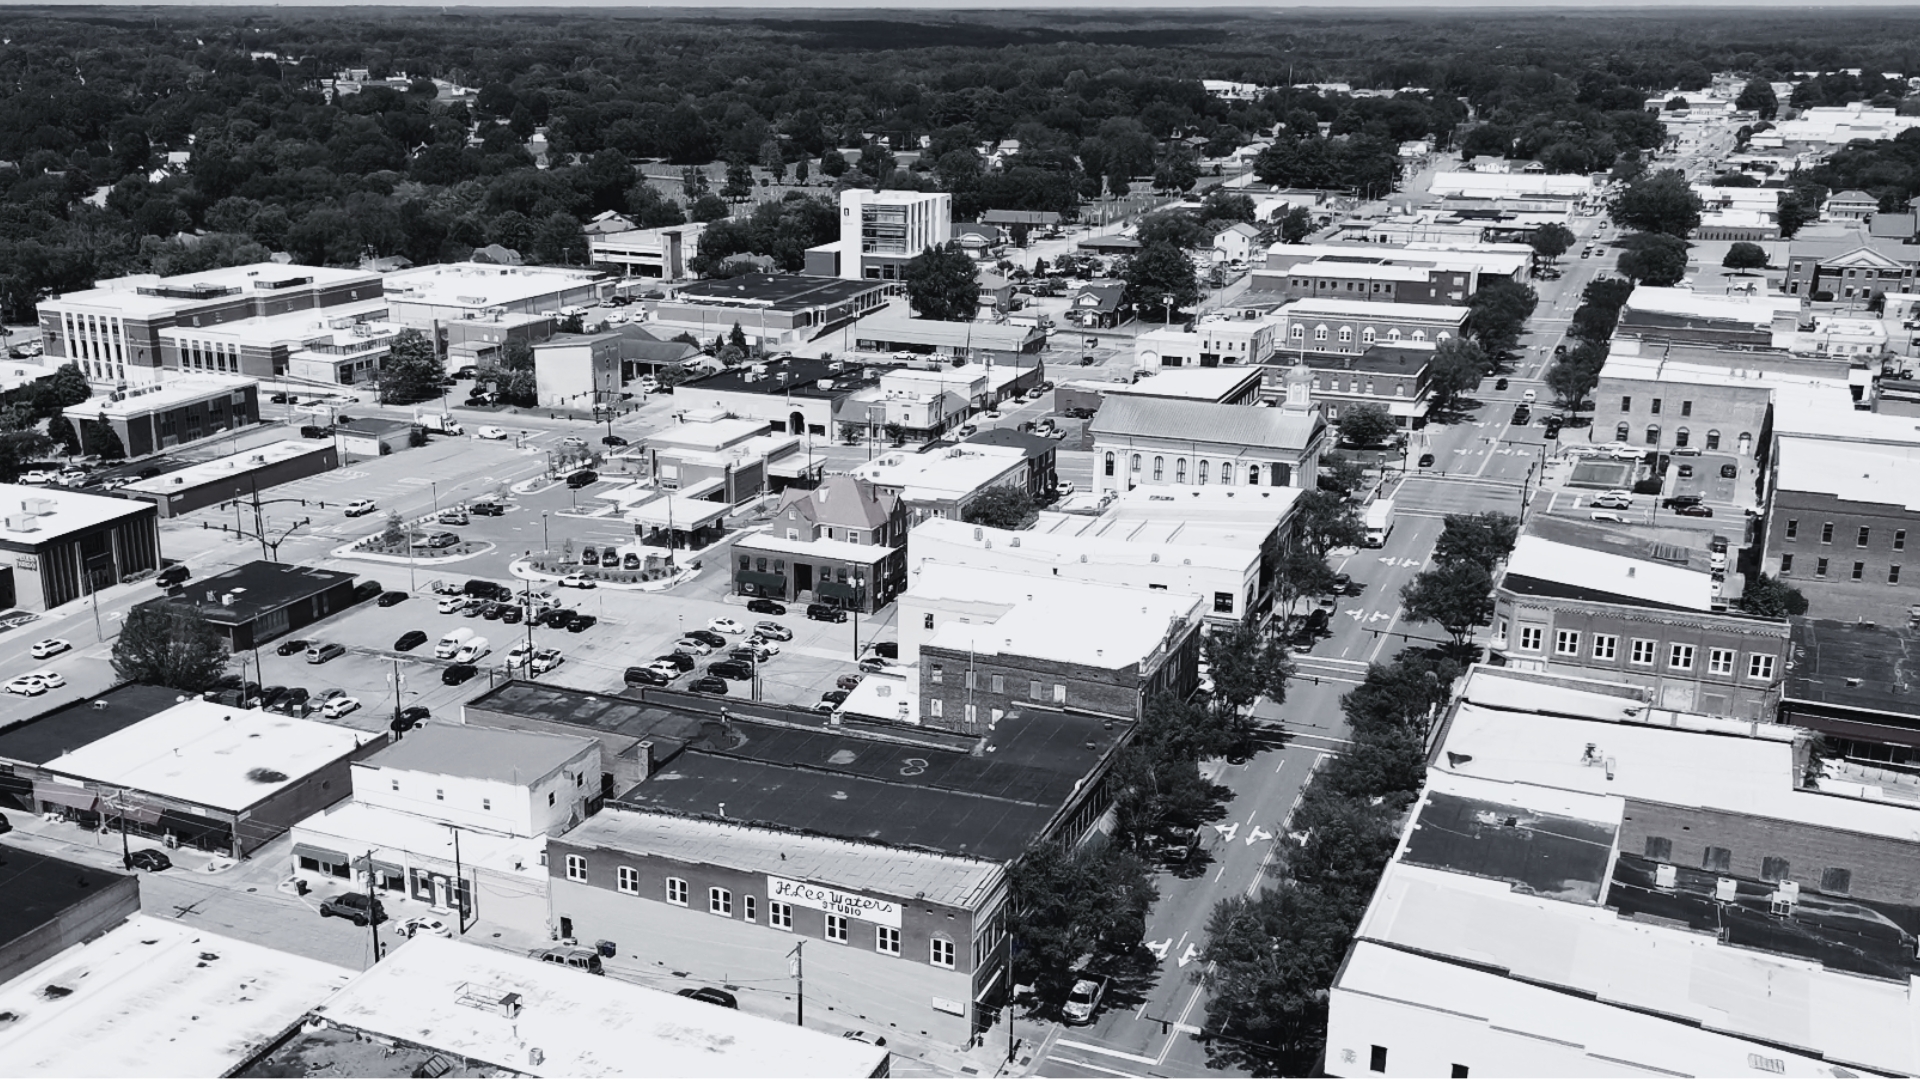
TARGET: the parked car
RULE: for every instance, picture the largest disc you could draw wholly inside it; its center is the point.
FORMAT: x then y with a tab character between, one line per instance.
680	661
424	924
519	654
335	708
772	631
52	646
708	684
1607	515
697	648
711	996
582	478
725	626
486	508
1675	502
365	591
392	597
358	507
590	557
751	653
735	670
1694	510
613	440
320	654
458	673
826	613
835	698
152	860
847	682
710	637
25	686
355	907
1500	384
646	676
450	604
412	716
453	517
513	613
760	605
575	581
547	660
581	622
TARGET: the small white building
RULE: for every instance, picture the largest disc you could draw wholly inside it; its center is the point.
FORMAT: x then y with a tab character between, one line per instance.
649	254
577	371
519	783
944	482
1237	243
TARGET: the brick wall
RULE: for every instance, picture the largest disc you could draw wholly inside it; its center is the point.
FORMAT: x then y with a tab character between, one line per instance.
1730	411
1118	691
1892	532
1881	869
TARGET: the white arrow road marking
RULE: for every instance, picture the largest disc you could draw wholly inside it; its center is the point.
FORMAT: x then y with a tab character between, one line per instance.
1358	613
1258	834
1228	831
1159	948
1378	615
1189	956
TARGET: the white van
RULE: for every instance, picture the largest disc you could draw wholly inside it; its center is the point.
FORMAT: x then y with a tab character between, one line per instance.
452	643
474	649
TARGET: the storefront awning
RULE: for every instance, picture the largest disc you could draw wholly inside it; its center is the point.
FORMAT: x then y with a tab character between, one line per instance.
838	591
765	581
192	828
325	855
132	811
78	798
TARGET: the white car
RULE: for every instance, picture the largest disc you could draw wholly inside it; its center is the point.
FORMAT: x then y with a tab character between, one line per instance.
451	604
695	648
990	414
53	680
1066	487
360	506
547	660
335	708
492	433
52	646
575	581
37	476
771	648
1607	515
519	654
421	924
726	626
671	671
26	686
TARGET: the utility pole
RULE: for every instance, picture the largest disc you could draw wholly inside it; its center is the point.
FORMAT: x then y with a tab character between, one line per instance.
126	853
799	986
459	885
397	684
373	908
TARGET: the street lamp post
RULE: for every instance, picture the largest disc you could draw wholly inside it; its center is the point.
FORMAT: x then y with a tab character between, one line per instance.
546	545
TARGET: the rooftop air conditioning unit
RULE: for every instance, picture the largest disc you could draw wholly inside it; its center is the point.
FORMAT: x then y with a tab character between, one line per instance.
226	599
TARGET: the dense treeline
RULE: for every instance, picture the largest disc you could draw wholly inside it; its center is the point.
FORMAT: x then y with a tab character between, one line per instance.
96	100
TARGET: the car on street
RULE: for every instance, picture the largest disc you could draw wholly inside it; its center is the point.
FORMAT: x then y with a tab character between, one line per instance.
647	676
1084	1000
152	860
52	680
392	597
25	686
1426	461
772	631
458	673
826	613
725	626
1607	515
320	654
547	660
354	907
1613	502
697	648
613	440
760	605
424	924
486	508
575	581
339	707
1694	510
711	996
1622	452
492	433
288	648
411	717
708	684
1500	384
358	507
52	646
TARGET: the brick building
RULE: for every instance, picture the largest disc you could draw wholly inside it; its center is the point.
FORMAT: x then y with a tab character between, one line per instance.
1392	274
1152	442
1850	261
1354	326
1589	610
1712	401
152	417
1839	523
1655	316
989	643
1394	377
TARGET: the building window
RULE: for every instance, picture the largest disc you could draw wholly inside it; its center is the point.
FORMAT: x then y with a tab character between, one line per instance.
576	868
1642	652
1659	849
1621	432
1109	464
1861	540
1680	437
1223	602
720	902
1530	638
1775	869
886	940
1060	693
1035	689
939	673
1899	539
1859	570
1893	574
1626	404
1159	467
1654	406
752	903
927	622
1686	408
1793	528
1760	667
1226	474
936	708
1786	565
1566	643
1200	472
940	952
1835	881
1826	533
1180	470
1713	440
1720	662
1820	568
837	929
1320	333
1653	434
779	915
1605	646
1136	463
627	880
1717	859
1377	1060
1680	657
677	891
998	683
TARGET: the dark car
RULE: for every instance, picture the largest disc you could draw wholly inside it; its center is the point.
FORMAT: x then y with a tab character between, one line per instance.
410	717
641	676
760	605
1522	415
888	649
834	697
149	859
443	540
1553	427
749	653
172	575
366	591
493	610
556	617
582	478
1675	502
708	637
392	597
412	639
268	695
1500	384
278	399
1685	471
872	664
590	557
288	648
1729	471
847	682
355	907
677	659
1695	510
711	996
1426	461
613	440
1342	582
513	614
730	669
581	622
1317	621
708	684
826	613
458	673
486	509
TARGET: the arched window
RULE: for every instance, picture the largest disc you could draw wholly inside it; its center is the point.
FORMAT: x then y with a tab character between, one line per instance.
1621	432
1713	440
779	566
1653	434
1419	335
1442	336
1109	463
1319	333
1203	471
1297	332
1367	336
1346	334
1136	463
1253	476
1393	334
1680	436
746	562
1179	470
1159	466
1226	472
760	564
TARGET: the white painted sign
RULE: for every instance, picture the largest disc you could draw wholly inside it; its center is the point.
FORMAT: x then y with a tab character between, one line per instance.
948	1005
833	901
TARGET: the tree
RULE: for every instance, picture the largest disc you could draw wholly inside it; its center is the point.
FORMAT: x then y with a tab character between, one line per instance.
1743	255
1677	104
411	371
1456	597
1367	424
1770	597
1550	241
1340	473
833	164
1247	663
1176	227
1483	539
1323	521
1757	96
21	441
1656	259
1161	278
1296	225
1400	695
1795	210
1002	508
1297	573
1458	364
1223	205
739	184
1574	376
1663	202
1067	903
708	208
162	643
1267	964
1499	313
942	283
1736	179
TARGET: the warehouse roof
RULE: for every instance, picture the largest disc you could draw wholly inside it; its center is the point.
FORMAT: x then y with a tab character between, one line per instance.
1248	426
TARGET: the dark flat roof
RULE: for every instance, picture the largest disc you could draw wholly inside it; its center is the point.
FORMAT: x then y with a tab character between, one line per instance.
1391	359
783	292
36	888
671	729
374	425
41	739
1033	445
1853	666
1551	854
922	795
803	375
257	588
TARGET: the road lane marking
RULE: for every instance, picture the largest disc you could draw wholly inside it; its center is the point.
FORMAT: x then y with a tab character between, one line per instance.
1090	1048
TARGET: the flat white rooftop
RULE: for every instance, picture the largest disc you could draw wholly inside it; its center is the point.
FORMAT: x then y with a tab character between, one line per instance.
707	434
1191	383
1758	310
122	295
232	465
1361	309
358	828
155	997
1652	368
1856	472
36	515
1605	571
214	755
1035	551
153	397
950	473
894	324
434	992
482	285
1019	614
326	326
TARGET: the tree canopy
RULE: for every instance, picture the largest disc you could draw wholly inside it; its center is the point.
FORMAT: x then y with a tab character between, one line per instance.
165	644
411	372
1160	280
1367	424
1661	202
1656	259
1484	539
1002	508
943	284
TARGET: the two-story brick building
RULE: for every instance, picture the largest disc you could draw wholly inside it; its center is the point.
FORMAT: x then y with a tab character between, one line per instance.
1588	608
1839	523
880	863
1383	273
1154	441
1711	400
1354	326
845	542
1394	377
1658	317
